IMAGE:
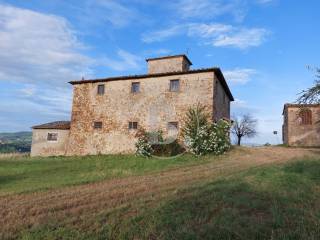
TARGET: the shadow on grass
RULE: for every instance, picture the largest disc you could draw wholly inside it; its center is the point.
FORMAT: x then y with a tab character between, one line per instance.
259	205
269	203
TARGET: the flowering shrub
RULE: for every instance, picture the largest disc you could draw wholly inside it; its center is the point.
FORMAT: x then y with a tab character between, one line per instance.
203	137
143	147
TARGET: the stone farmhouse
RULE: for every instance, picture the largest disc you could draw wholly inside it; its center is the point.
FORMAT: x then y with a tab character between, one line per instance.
106	113
301	125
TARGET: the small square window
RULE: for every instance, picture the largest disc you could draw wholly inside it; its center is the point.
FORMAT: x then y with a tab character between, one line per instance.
97	125
174	85
100	89
173	125
133	125
135	87
52	137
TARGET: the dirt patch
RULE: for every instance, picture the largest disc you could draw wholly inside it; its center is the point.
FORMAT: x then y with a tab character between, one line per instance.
74	203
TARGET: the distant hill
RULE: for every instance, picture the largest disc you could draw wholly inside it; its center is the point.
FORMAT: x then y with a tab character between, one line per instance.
15	142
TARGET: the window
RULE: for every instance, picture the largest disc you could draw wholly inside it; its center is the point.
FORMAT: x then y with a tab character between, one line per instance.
172	125
52	137
100	89
174	85
133	125
135	87
305	116
97	125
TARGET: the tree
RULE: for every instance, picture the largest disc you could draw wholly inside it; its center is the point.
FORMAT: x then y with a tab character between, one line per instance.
244	126
312	94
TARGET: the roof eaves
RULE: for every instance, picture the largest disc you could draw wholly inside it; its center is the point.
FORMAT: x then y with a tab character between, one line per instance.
130	77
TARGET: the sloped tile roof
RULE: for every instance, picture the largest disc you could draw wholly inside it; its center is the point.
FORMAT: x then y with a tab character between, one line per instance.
64	125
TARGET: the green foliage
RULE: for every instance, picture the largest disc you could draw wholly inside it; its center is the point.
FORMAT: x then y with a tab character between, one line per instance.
143	145
22	147
203	137
15	142
153	143
173	148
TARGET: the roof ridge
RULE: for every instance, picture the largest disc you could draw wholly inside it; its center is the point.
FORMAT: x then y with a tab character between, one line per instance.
170	56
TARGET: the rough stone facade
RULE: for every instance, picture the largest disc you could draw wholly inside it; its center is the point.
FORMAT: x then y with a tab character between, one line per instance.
301	125
179	63
153	107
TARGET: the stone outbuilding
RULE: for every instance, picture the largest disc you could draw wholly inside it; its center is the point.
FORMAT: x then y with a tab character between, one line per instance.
107	112
50	139
301	125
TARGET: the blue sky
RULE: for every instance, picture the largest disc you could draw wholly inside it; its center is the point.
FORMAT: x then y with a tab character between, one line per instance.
262	47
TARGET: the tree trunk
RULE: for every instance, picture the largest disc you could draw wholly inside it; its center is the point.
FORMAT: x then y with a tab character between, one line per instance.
239	141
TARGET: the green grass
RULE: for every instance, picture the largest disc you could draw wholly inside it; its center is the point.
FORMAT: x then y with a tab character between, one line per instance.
275	202
34	174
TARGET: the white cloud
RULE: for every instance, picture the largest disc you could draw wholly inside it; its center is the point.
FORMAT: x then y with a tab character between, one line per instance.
110	11
156	52
28	90
239	75
127	61
242	38
39	54
208	30
158	36
216	34
264	1
208	9
35	47
239	103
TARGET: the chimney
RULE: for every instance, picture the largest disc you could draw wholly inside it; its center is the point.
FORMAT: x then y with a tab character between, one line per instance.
176	63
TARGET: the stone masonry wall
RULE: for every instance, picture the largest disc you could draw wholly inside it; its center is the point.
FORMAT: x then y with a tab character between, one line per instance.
302	135
221	102
152	108
176	64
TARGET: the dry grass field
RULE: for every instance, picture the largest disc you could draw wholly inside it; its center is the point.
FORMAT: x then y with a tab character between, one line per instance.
209	198
13	155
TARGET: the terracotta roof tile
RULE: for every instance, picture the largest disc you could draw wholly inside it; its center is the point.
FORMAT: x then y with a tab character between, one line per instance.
64	125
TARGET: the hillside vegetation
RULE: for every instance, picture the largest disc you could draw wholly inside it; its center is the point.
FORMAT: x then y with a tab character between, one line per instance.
248	193
15	142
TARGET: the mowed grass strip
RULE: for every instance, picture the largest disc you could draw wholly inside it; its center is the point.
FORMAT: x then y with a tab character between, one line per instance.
274	202
25	174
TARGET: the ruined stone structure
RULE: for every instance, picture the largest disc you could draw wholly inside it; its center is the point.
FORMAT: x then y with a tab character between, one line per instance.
301	125
106	113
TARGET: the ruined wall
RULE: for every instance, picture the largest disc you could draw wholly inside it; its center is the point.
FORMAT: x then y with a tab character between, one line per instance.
42	147
176	64
152	108
221	102
302	135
